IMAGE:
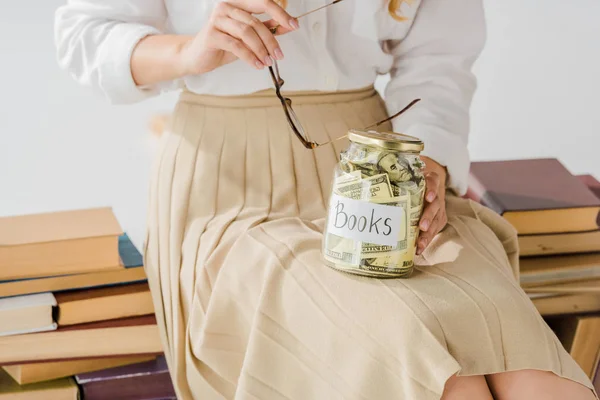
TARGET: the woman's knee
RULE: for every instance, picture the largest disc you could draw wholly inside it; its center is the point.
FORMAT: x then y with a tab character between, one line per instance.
533	384
466	387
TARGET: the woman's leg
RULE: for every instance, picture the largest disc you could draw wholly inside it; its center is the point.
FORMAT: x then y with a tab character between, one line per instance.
466	387
533	384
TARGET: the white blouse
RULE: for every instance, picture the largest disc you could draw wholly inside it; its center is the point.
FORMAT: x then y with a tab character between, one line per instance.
345	46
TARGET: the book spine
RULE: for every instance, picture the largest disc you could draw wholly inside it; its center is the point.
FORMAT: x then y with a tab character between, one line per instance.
150	386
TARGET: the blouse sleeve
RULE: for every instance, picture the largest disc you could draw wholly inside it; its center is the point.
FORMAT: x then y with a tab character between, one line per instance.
95	38
433	63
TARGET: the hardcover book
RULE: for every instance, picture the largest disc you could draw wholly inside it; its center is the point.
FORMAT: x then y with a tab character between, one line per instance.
59	243
120	337
535	195
130	271
89	305
61	389
144	381
27	314
46	371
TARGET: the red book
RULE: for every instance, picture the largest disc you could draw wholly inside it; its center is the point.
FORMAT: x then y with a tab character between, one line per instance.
564	243
537	196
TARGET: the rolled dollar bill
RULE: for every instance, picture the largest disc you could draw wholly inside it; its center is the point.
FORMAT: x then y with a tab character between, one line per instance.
394	262
397	168
353	176
342	250
371	188
373	250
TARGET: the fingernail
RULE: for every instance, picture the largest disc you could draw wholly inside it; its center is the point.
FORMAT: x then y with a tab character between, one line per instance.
268	61
424	224
294	24
259	65
430	196
278	54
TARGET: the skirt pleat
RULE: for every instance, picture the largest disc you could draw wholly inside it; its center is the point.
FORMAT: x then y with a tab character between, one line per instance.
247	309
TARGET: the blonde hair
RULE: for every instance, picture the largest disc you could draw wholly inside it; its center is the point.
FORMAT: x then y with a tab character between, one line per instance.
393	7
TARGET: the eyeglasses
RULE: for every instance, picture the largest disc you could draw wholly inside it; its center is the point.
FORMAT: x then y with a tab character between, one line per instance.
293	120
286	102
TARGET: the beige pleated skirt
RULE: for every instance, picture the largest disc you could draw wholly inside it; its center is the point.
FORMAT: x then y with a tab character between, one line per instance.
248	310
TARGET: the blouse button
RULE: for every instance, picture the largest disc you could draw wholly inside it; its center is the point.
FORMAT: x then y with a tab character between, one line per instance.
316	27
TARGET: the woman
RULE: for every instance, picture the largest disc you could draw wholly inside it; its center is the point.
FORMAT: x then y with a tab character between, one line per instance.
245	306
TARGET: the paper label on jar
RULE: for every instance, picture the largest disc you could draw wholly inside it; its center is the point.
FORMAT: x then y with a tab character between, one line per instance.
366	222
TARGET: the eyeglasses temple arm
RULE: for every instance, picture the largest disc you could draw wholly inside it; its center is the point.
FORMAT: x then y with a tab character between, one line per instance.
315	145
319	8
274	28
412	103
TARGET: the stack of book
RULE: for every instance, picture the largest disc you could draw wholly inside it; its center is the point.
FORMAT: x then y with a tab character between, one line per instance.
557	217
76	314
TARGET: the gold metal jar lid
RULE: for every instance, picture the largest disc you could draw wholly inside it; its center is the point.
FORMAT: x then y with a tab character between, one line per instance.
387	140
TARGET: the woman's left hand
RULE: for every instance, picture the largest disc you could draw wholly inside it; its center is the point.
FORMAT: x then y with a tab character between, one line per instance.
434	217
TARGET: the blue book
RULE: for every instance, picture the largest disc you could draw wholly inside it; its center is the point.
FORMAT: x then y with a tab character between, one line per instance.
132	272
130	255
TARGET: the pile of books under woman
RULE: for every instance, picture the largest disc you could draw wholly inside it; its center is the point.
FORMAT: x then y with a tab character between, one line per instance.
76	315
557	217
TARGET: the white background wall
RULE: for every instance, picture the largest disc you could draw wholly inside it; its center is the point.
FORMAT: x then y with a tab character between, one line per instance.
62	147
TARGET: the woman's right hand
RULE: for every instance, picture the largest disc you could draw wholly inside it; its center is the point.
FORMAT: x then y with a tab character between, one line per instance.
234	33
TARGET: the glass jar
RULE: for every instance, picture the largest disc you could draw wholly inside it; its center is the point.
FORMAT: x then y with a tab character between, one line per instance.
375	205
